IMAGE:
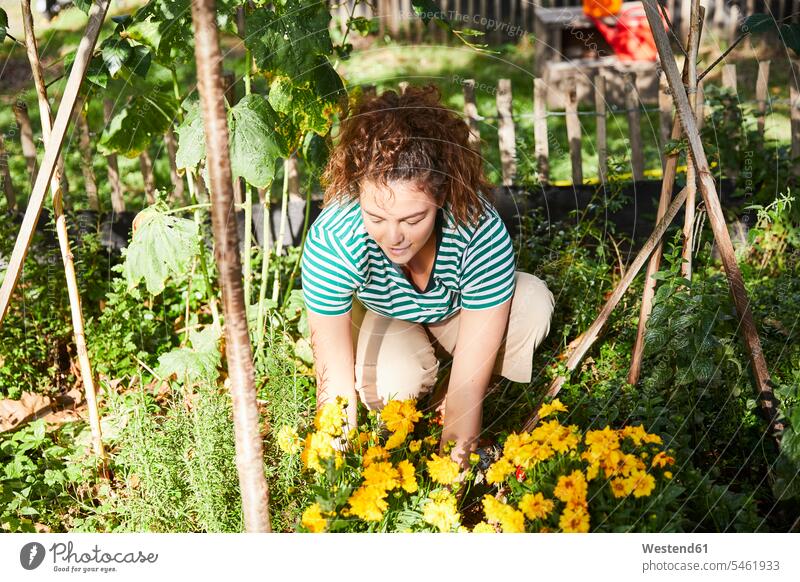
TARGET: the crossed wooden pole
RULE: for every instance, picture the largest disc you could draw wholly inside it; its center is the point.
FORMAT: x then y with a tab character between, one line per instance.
685	114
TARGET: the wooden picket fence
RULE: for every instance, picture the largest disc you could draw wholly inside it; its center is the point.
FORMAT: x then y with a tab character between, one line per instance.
634	108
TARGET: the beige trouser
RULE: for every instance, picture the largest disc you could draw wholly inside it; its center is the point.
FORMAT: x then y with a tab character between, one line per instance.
396	359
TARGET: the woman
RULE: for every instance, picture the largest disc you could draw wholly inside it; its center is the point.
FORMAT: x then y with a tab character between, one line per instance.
408	261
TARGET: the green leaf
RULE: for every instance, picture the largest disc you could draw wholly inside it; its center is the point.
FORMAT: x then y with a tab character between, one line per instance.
427	10
83	5
759	23
256	143
790	34
144	119
116	53
162	246
95	73
361	25
191	139
200	362
302	349
3	25
315	150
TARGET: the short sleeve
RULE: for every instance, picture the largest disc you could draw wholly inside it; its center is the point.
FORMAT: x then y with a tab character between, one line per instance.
488	268
328	276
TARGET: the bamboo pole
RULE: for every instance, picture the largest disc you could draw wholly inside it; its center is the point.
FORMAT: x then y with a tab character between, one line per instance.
505	132
767	401
249	449
665	116
117	194
5	176
691	170
63	240
588	338
574	132
667	185
83	55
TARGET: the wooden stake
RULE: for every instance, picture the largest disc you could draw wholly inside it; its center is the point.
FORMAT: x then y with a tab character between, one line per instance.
83	55
5	176
665	116
602	141
762	93
667	185
63	240
634	125
505	132
574	133
767	400
590	336
471	115
541	145
146	165
249	449
26	137
117	195
691	170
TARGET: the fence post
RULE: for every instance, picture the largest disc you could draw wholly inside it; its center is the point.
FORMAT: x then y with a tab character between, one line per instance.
701	104
117	195
5	176
505	132
471	114
634	124
541	145
26	137
574	132
602	143
761	94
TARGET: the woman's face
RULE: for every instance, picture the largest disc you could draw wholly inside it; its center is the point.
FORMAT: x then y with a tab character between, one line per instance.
401	220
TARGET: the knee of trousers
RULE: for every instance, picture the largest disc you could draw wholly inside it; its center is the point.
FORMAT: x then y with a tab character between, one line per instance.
540	304
397	377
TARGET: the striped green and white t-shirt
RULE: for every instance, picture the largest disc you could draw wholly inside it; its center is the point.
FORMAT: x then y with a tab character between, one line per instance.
474	267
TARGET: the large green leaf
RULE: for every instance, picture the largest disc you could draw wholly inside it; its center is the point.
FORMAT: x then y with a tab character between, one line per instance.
290	40
144	118
96	72
191	140
200	362
256	140
116	52
161	247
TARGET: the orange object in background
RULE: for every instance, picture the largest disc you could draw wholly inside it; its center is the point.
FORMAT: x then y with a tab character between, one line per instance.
601	8
628	33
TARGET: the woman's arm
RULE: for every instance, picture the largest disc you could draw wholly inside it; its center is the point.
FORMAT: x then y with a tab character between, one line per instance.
480	333
334	364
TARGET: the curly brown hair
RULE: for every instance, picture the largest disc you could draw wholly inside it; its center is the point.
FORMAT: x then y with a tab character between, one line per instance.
408	136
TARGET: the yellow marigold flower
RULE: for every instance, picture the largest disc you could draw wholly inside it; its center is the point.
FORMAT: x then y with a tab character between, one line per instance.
591	471
474	458
518	449
635	433
381	475
553	407
397	439
312	519
407	479
574	521
668	474
641	484
499	470
414	446
535	506
441	511
442	470
430	440
564	439
400	415
511	520
653	439
330	418
368	503
661	460
605	439
571	487
376	453
288	440
620	487
630	464
317	447
462	529
483	527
